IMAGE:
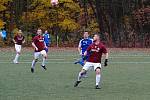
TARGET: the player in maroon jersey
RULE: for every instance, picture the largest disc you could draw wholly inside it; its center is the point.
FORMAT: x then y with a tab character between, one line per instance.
18	40
94	54
39	46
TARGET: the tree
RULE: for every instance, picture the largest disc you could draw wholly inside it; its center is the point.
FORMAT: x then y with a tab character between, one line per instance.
59	19
3	8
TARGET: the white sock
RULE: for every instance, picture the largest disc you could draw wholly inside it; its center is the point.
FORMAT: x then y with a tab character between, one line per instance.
80	76
16	57
33	63
98	78
43	62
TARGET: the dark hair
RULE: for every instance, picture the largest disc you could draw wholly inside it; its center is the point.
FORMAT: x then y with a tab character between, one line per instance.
85	32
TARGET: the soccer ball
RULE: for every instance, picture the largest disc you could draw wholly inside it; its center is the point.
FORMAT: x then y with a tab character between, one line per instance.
54	2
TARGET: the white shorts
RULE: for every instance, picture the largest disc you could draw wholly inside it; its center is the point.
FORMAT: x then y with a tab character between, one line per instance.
38	54
89	65
18	48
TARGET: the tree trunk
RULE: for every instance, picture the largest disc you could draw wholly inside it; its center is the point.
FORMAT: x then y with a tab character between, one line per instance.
100	16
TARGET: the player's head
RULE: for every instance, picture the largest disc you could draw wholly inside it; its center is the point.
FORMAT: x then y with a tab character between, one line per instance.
19	32
96	37
39	32
46	31
86	34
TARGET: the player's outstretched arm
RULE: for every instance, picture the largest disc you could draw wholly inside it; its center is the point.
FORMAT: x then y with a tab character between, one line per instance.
85	54
79	50
23	41
106	59
14	41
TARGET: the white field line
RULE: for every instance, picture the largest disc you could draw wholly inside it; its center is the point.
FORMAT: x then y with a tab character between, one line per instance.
52	59
29	62
66	59
73	59
76	55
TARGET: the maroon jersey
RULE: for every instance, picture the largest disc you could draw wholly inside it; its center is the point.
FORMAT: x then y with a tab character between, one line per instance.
95	52
39	42
19	39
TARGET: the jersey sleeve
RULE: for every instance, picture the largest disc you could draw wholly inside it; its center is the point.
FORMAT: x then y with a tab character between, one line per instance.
91	40
104	49
15	38
34	40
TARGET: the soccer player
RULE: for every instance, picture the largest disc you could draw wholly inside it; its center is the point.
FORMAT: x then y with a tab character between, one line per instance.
83	45
4	34
47	39
95	51
39	46
18	40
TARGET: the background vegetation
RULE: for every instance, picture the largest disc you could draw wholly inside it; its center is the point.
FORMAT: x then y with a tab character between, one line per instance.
121	23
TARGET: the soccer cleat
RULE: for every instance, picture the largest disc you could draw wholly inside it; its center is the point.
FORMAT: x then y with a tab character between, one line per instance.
76	83
76	62
97	87
32	70
43	67
79	62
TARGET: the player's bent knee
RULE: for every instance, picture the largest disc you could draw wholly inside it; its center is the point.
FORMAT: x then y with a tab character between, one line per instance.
19	53
98	70
83	71
45	56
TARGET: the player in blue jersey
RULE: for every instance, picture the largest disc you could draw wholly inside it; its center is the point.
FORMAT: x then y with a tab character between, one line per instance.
83	45
47	39
3	34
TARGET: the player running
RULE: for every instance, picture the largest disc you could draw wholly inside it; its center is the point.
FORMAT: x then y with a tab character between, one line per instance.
95	51
39	46
47	39
83	45
18	40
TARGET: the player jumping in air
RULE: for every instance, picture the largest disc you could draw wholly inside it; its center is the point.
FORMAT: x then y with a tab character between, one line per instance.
39	46
18	40
83	45
95	51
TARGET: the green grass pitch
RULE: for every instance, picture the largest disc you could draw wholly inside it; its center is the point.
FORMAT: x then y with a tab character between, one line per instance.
126	78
